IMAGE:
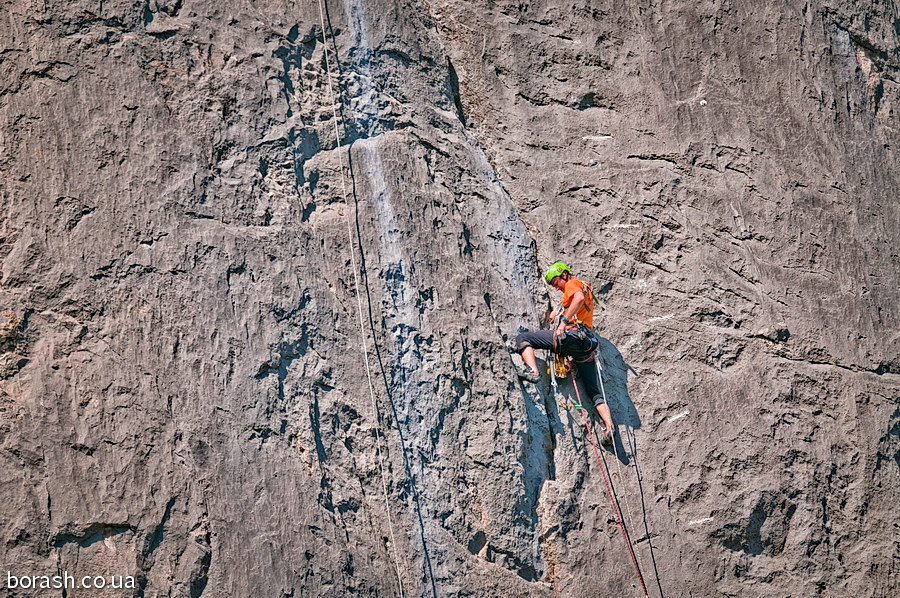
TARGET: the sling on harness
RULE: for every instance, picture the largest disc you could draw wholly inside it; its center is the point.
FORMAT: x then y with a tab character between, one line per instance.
560	366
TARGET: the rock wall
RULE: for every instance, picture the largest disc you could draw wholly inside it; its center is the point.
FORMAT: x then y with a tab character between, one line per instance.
262	265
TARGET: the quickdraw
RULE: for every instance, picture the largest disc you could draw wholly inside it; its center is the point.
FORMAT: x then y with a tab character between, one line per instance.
560	365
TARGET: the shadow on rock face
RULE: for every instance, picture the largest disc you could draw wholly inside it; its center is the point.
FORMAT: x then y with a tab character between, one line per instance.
615	381
765	529
563	411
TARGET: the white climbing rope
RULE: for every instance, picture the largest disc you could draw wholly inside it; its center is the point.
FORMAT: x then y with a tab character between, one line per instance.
362	328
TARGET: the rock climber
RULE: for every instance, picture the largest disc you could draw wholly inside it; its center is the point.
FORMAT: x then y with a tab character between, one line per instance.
573	337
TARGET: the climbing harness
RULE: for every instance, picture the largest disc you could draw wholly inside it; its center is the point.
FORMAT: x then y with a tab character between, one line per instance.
359	309
560	366
612	497
588	338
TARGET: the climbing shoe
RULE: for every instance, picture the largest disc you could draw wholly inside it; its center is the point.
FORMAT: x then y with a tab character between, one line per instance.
607	437
529	375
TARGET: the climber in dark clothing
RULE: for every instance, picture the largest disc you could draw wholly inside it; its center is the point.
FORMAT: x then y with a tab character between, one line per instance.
573	338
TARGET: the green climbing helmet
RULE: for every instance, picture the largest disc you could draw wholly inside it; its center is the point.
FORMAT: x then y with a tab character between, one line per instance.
556	270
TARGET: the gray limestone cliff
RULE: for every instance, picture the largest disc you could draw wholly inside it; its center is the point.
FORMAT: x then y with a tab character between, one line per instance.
263	264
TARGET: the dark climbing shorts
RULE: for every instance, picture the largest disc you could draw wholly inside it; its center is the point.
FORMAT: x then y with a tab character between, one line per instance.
576	345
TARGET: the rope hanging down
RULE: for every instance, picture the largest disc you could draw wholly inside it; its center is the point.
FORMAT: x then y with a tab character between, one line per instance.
362	329
618	461
612	497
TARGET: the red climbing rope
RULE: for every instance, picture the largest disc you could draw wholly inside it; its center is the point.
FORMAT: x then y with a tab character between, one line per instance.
609	490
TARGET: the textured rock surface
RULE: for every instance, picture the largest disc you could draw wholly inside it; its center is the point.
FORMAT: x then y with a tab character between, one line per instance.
183	388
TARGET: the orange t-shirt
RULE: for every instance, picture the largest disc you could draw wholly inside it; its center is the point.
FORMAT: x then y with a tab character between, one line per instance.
586	313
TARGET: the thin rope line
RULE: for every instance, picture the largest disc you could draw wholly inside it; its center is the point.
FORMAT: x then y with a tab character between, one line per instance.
359	309
633	444
628	512
612	497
